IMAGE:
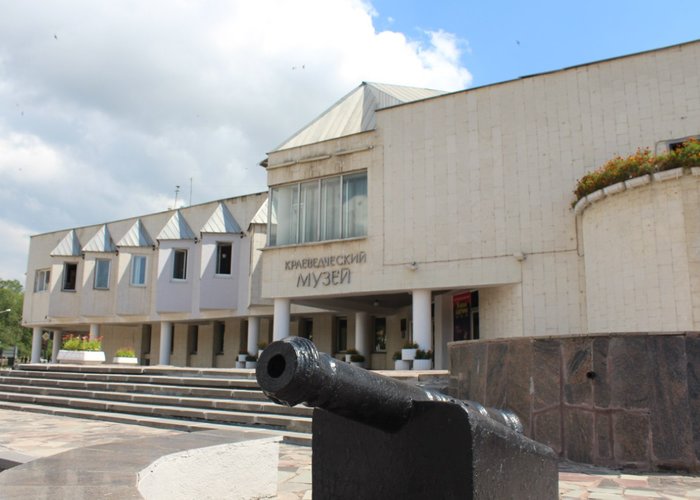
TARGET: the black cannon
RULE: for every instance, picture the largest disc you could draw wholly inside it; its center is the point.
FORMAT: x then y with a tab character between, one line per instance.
376	437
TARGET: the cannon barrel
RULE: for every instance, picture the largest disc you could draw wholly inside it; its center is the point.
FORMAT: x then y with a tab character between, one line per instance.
293	371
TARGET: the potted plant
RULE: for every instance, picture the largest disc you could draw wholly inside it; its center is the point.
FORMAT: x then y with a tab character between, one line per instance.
349	354
251	361
242	355
408	353
357	360
125	356
400	364
261	346
81	350
423	361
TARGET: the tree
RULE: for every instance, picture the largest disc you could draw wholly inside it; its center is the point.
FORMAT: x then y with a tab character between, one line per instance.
11	331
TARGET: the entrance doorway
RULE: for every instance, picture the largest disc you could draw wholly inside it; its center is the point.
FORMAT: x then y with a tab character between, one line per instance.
465	307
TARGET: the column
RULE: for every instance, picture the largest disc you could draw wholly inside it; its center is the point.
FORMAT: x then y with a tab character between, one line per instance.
166	342
280	327
94	331
57	340
363	343
253	335
422	331
36	345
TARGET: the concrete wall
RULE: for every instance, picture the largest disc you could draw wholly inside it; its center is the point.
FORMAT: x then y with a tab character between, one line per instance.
642	258
463	184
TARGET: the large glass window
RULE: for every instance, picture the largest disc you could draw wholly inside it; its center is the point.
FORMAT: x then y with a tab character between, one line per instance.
102	274
354	205
180	264
138	270
319	210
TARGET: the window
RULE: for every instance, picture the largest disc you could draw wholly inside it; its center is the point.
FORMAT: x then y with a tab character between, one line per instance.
180	264
138	270
70	274
219	331
341	339
380	334
42	280
679	144
319	210
192	339
102	274
223	258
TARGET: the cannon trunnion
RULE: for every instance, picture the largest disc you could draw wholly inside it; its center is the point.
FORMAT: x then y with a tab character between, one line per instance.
376	437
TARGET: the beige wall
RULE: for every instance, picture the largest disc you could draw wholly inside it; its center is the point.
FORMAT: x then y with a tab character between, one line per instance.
463	183
642	258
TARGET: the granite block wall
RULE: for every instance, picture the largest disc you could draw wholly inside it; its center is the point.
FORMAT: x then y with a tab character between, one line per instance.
616	400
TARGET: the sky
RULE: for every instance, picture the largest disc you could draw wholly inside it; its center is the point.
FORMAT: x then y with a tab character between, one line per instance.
107	106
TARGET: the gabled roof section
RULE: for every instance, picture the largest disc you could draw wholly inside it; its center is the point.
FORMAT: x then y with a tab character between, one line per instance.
137	236
260	216
176	229
355	112
101	242
68	247
221	221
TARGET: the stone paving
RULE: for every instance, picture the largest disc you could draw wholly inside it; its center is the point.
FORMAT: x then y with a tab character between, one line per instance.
38	435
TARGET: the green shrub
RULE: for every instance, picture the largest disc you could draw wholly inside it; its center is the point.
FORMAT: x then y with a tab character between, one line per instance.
126	352
421	354
84	343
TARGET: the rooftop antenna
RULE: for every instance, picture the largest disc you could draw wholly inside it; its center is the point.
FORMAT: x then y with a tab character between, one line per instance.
190	191
177	191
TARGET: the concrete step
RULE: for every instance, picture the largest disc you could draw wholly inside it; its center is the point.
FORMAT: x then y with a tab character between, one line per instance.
22	378
301	438
175	371
126	377
288	422
254	406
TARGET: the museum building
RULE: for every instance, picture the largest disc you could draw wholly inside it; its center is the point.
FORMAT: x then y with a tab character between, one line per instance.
411	215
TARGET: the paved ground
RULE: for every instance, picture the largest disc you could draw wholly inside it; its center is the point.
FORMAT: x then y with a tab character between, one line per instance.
34	435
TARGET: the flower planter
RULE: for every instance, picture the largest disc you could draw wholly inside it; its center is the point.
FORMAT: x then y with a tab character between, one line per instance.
122	360
615	188
423	364
240	364
347	358
81	357
408	354
251	364
595	196
241	357
580	205
638	181
400	364
666	175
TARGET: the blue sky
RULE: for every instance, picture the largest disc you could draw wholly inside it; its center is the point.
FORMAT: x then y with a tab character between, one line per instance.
106	106
510	39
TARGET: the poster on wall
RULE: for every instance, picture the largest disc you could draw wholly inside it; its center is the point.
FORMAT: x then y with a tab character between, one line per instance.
461	307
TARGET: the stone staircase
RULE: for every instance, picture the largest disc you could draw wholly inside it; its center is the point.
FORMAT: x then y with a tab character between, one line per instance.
185	399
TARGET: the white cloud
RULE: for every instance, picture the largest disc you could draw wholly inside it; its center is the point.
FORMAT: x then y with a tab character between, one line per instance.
106	106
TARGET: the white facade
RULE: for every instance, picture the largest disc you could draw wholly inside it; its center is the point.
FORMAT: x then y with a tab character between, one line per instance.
410	215
125	291
472	191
